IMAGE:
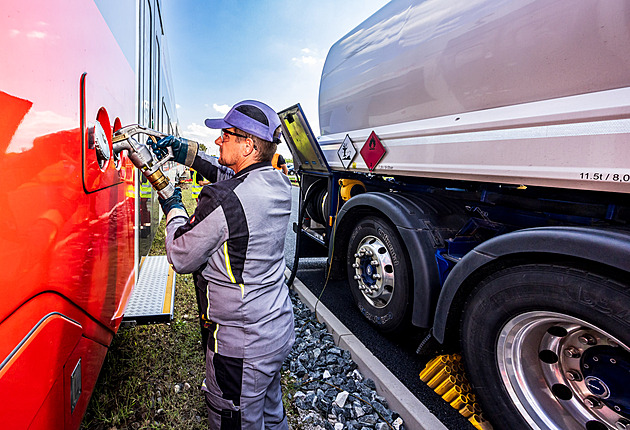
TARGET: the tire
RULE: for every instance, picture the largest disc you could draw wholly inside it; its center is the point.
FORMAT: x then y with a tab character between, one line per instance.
378	275
546	347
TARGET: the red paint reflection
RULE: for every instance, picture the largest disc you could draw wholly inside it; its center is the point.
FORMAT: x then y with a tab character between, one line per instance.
53	235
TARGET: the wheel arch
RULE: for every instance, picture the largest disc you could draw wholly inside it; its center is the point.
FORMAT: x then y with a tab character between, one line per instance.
601	249
412	219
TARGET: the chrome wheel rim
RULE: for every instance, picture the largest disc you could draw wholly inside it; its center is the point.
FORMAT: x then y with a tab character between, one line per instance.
564	373
374	271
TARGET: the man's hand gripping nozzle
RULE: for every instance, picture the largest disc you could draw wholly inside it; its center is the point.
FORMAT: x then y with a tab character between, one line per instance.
141	156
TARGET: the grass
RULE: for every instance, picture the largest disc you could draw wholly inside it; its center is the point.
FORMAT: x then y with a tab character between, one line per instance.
152	374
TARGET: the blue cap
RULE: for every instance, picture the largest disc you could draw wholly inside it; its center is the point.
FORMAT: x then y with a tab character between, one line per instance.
252	117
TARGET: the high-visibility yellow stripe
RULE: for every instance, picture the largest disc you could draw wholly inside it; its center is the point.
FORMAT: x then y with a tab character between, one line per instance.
227	263
216	343
233	279
208	301
229	269
208	298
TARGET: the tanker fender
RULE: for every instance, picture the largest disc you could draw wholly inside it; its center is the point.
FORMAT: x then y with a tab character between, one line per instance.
604	247
412	218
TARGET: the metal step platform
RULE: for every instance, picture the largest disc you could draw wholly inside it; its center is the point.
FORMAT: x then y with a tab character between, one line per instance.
152	299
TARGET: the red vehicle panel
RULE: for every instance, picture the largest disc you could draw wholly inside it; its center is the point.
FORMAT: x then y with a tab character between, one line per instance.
67	242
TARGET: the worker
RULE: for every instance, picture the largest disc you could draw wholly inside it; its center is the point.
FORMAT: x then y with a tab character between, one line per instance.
235	241
278	163
145	212
198	181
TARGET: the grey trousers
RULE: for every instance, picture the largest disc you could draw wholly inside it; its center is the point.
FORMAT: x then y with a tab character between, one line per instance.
245	393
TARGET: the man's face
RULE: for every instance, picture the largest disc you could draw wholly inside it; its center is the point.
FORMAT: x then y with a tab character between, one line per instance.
229	148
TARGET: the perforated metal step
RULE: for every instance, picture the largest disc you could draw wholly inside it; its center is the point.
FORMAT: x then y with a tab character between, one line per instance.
153	296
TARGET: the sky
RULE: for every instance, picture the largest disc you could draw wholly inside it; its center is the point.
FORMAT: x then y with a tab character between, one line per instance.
225	51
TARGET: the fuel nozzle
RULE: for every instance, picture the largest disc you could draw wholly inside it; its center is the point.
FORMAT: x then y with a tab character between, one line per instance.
141	156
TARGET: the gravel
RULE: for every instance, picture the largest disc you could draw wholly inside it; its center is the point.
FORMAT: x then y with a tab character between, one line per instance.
332	393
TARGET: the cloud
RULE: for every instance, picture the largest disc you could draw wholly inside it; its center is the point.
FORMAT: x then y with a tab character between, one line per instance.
177	106
221	108
308	58
202	134
36	35
31	34
199	130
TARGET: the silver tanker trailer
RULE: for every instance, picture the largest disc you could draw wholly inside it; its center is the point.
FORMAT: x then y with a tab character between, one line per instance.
472	178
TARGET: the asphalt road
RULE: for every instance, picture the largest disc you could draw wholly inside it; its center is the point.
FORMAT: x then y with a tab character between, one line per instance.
398	355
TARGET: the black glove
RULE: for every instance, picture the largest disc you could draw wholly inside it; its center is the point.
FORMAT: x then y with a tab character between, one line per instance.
178	144
174	201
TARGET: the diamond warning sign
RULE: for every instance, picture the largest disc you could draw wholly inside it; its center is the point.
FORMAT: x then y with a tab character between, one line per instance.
346	152
372	151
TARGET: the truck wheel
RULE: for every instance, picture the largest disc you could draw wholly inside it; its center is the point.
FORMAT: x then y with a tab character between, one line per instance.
547	347
377	274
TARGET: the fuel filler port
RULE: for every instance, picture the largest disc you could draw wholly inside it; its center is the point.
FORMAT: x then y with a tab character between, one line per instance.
98	141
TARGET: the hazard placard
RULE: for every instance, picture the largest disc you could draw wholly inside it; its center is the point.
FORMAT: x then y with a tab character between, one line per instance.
372	151
346	152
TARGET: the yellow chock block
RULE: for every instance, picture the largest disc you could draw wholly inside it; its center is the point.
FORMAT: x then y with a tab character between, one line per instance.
479	423
452	394
433	367
445	375
458	402
446	385
467	411
440	377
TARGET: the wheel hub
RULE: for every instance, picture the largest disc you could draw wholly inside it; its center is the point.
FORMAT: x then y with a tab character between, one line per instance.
564	373
374	271
606	373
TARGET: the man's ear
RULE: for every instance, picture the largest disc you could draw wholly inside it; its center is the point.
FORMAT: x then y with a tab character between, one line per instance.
248	147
